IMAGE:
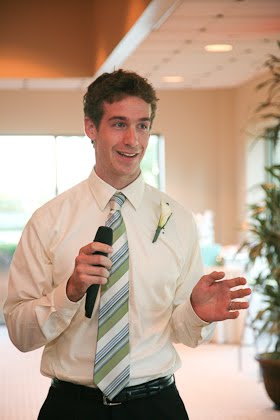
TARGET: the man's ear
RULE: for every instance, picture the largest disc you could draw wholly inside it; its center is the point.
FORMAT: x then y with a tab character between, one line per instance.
90	128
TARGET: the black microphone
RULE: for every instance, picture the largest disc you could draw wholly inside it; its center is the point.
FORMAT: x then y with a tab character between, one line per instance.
104	234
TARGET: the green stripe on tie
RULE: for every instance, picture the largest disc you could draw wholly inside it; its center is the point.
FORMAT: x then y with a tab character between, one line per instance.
113	320
116	275
117	358
118	232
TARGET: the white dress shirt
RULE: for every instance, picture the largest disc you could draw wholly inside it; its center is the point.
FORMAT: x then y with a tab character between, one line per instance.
162	276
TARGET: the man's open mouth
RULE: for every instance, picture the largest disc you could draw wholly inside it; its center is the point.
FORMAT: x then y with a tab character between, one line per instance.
131	155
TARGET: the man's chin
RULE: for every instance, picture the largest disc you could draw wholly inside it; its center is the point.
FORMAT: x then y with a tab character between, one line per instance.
129	175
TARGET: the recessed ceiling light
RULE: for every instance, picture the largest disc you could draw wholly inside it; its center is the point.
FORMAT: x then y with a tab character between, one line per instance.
173	79
218	47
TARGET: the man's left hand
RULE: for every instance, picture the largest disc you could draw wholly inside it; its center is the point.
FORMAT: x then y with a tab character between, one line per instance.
214	300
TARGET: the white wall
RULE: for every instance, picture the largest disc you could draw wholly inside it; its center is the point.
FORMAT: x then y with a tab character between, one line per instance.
45	112
200	152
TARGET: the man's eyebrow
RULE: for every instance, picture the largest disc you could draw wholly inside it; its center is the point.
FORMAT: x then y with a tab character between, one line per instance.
122	118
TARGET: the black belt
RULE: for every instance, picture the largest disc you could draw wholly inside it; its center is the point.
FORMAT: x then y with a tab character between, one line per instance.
130	393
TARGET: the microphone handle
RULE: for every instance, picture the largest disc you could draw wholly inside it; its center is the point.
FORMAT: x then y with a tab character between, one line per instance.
104	234
92	292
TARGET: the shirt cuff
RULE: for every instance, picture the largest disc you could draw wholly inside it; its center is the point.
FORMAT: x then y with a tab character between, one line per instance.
61	300
55	312
187	326
191	314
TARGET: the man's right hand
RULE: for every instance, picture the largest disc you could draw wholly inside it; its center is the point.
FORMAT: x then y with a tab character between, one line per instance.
90	268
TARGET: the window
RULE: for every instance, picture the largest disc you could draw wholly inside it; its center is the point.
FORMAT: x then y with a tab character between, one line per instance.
75	159
260	154
27	171
153	163
257	159
273	154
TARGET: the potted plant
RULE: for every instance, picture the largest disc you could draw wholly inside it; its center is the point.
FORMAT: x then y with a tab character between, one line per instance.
263	239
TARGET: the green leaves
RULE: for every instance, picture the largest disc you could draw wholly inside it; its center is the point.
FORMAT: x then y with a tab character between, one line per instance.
263	241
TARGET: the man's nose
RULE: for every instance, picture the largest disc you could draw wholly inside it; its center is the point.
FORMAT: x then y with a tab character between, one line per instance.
131	137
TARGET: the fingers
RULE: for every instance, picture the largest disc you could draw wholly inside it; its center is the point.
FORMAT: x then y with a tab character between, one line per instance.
93	247
90	268
88	274
93	260
218	275
236	306
240	293
87	254
212	277
84	275
232	315
235	282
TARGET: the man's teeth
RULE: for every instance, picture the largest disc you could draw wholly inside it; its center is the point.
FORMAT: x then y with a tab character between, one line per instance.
128	154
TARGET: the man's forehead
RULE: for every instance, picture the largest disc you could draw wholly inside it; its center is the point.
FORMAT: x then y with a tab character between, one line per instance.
129	105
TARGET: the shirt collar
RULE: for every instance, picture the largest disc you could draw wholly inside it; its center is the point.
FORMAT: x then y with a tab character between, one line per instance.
102	191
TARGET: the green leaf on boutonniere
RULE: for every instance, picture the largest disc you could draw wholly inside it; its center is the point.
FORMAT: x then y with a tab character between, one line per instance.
165	215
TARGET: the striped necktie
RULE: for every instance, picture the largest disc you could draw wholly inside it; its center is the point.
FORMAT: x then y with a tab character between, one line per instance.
111	369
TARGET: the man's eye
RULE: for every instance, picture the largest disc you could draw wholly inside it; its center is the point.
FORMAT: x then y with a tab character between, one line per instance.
119	124
144	126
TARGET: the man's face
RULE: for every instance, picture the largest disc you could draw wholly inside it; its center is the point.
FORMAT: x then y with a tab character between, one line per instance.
120	140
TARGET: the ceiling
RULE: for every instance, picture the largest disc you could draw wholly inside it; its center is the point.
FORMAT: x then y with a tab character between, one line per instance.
169	40
176	47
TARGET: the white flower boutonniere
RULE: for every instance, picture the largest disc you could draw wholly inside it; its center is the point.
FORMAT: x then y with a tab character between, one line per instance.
165	215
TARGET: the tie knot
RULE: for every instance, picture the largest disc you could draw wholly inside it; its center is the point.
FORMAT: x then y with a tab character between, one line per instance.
117	201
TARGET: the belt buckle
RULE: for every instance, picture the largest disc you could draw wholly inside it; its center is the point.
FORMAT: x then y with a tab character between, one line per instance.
108	402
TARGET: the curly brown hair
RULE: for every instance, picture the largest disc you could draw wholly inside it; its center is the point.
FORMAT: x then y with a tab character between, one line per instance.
113	87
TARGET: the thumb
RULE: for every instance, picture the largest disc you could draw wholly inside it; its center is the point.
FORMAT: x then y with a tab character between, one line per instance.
214	276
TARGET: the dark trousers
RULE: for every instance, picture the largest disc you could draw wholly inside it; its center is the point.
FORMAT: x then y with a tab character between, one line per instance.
166	405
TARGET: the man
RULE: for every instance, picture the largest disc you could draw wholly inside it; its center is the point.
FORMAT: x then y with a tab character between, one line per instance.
130	374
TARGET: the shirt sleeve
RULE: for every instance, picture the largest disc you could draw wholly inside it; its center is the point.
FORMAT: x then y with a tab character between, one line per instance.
36	311
187	327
